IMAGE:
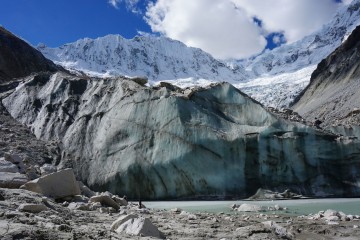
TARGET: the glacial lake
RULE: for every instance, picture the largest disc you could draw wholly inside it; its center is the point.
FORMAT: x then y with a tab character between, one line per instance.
294	207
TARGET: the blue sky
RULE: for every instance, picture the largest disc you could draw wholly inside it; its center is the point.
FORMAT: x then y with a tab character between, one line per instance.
224	28
57	22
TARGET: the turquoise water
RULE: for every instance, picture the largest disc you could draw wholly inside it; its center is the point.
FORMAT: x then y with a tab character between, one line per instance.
296	207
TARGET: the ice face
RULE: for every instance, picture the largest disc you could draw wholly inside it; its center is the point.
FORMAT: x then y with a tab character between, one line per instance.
157	143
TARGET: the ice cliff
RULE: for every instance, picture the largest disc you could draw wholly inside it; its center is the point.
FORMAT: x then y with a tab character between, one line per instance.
170	143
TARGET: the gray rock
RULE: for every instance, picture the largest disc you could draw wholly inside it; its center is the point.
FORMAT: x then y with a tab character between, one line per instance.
105	200
120	201
47	169
139	227
140	80
245	207
234	206
95	205
121	220
12	180
331	218
85	190
331	213
279	230
79	206
6	166
176	210
15	159
56	185
32	208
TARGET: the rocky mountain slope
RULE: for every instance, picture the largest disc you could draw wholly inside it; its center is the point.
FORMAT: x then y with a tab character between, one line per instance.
155	142
21	154
157	58
19	59
333	95
274	77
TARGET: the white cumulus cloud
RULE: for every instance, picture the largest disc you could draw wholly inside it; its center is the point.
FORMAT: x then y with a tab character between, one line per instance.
215	26
295	18
226	28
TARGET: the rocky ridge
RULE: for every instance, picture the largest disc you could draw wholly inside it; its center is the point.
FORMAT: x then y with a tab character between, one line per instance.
18	59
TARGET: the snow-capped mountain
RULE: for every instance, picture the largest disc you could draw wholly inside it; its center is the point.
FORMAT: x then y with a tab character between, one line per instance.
278	76
274	77
158	58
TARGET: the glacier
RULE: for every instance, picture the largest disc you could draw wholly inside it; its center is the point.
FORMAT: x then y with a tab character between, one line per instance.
154	142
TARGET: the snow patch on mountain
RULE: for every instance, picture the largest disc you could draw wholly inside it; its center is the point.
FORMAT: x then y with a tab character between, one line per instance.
280	90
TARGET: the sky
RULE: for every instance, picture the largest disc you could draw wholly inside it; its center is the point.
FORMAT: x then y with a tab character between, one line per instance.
227	29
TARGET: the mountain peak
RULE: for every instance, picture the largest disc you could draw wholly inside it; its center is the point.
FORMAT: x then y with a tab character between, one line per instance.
158	58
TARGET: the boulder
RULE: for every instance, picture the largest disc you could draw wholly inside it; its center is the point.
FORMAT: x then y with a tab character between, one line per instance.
12	180
85	190
176	210
279	230
120	201
105	200
245	207
170	86
33	172
330	213
47	169
32	208
234	206
79	206
6	166
56	185
121	220
140	227
15	159
94	206
140	80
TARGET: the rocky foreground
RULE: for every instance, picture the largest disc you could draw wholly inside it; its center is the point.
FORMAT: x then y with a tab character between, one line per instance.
50	208
56	221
